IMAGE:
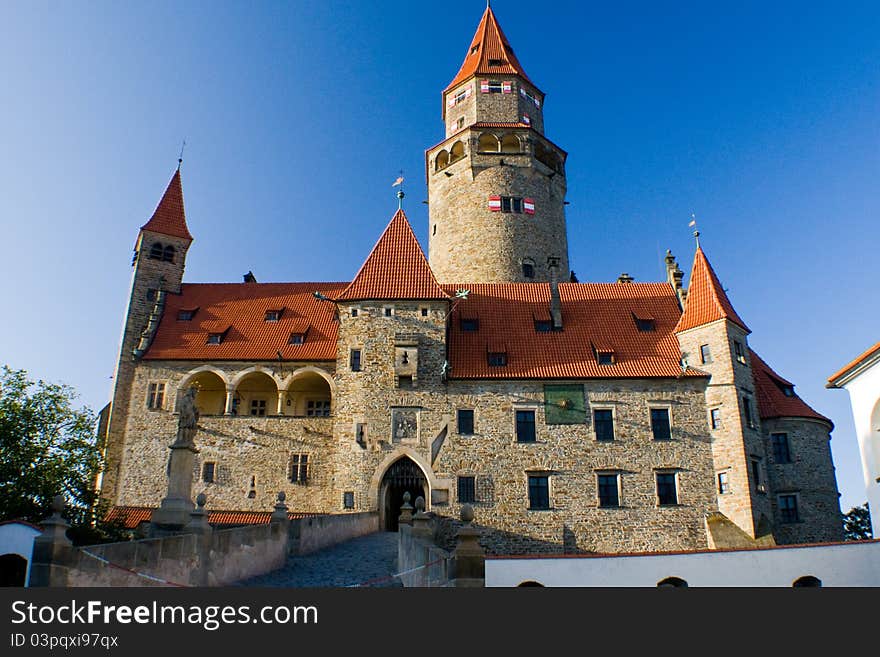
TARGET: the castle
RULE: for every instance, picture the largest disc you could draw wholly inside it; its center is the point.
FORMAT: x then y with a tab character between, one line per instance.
607	417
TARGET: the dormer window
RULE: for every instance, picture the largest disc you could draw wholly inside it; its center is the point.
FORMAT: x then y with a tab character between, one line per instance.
216	338
645	324
496	62
186	315
543	325
296	338
786	388
605	357
273	315
497	358
470	324
475	49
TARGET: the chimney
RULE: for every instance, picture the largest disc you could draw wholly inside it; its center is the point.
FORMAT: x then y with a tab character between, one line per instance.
625	278
250	278
675	276
555	301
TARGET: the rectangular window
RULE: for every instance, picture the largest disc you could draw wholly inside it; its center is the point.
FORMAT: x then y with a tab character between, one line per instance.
603	423
497	358
156	396
465	421
215	338
705	354
355	360
469	324
208	472
738	352
298	470
458	125
660	424
512	204
715	418
667	493
542	325
424	312
758	476
608	490
185	315
747	411
529	272
360	434
539	492
466	490
723	483
525	426
788	508
781	451
258	407
318	408
605	357
388	312
348	500
296	338
494	86
354	312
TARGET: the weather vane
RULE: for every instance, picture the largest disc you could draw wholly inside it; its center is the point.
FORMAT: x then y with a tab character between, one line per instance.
400	193
693	225
180	158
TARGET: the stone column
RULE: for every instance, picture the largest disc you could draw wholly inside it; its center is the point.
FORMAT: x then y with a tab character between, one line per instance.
421	522
230	396
204	537
469	562
405	517
282	400
53	552
174	512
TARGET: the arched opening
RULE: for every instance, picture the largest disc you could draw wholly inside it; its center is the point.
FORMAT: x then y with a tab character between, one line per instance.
257	395
510	144
807	582
442	160
210	393
456	152
13	570
528	268
168	254
530	583
403	476
156	251
488	143
674	582
308	395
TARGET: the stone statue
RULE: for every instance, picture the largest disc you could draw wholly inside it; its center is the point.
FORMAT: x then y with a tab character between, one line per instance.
188	422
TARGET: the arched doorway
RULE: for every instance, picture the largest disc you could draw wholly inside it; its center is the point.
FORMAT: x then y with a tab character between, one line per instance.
404	476
13	569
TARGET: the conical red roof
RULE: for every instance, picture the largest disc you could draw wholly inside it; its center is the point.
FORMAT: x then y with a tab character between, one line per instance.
706	300
489	44
169	217
395	269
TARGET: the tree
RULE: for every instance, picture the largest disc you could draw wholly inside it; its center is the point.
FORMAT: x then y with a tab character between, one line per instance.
857	524
49	447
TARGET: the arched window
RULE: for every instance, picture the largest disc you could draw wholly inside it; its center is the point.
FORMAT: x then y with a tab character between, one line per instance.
528	268
530	583
488	143
156	251
675	582
807	582
442	160
456	152
510	144
168	254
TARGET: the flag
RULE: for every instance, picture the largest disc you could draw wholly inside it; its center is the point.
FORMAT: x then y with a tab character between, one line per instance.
693	223
397	182
506	87
529	205
484	86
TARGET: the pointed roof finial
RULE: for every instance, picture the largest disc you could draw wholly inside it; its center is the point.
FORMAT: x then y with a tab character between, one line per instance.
180	158
693	225
400	194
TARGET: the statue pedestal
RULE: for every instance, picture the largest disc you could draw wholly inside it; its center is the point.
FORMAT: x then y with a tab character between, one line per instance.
174	512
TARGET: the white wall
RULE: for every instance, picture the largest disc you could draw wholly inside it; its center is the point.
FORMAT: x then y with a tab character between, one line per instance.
18	538
841	564
864	394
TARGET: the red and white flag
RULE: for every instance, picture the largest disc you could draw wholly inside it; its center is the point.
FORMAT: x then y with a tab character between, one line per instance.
529	205
495	203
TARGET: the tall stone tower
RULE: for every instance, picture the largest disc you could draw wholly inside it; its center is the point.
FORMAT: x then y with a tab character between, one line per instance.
157	270
496	184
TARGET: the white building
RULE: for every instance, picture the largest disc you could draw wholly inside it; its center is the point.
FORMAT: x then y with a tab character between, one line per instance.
16	546
861	378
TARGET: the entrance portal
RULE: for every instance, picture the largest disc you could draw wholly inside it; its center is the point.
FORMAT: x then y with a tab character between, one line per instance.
404	476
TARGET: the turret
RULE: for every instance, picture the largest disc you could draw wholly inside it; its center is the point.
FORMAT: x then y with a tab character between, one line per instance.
496	184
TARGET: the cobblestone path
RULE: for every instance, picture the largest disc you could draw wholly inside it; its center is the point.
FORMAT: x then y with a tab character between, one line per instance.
357	561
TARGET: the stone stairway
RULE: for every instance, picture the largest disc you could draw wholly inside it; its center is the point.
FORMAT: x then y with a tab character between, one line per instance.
365	561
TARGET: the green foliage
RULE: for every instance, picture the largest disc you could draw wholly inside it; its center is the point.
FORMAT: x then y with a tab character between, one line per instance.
49	447
857	524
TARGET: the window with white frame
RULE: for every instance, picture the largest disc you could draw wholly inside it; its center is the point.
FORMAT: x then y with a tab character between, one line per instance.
156	396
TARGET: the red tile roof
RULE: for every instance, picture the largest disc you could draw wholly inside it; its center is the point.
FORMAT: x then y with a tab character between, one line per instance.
169	217
395	269
240	310
772	400
132	516
706	300
490	44
833	380
594	314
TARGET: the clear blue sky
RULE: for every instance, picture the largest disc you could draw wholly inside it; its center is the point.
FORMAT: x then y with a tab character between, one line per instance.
762	118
